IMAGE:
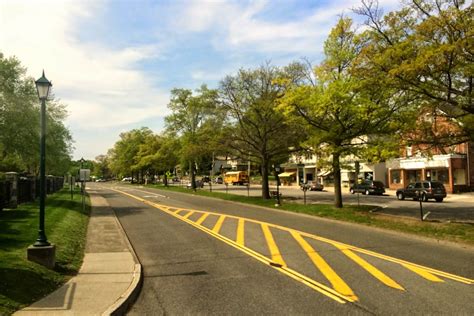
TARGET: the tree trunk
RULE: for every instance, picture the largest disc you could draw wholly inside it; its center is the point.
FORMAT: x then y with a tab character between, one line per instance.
165	180
336	167
193	175
265	189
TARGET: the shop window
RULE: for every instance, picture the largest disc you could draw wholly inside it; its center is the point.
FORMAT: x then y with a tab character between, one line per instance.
395	176
459	176
443	176
414	175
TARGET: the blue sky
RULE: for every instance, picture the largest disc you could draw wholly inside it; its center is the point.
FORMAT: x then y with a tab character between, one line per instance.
113	63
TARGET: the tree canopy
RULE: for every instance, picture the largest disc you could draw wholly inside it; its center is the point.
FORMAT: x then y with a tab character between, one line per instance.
20	128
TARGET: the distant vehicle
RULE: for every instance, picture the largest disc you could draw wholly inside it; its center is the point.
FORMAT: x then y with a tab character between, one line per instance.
236	177
218	180
424	190
315	186
175	179
127	179
206	179
100	180
368	187
199	184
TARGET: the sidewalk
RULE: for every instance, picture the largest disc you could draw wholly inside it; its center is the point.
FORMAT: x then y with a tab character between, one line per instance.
109	278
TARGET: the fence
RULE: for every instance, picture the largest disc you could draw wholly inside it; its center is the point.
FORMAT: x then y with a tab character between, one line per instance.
16	190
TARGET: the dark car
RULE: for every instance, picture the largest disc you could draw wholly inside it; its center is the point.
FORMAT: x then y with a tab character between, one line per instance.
206	179
368	187
424	190
315	186
199	184
218	180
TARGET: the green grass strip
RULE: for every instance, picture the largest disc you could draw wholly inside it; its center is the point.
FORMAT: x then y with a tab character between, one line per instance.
23	282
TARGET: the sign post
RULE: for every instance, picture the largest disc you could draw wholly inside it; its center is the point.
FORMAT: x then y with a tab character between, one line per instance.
84	175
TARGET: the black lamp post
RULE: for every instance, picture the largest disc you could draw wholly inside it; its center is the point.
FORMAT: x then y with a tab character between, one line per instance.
42	86
277	171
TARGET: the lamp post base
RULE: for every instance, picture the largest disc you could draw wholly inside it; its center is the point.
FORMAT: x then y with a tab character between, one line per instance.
46	255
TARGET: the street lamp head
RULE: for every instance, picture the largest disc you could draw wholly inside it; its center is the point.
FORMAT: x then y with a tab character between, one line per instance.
42	86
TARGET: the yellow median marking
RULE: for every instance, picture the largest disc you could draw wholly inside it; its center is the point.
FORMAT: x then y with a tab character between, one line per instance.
336	281
240	232
425	272
218	225
188	214
321	288
382	277
202	218
422	272
272	246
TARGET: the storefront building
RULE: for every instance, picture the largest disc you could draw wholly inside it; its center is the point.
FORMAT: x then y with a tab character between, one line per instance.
451	169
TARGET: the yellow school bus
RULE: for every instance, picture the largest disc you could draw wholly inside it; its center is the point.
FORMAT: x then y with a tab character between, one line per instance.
236	177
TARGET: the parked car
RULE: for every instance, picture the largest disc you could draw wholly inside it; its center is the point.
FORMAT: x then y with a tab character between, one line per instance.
368	187
424	190
100	180
315	186
127	179
199	184
206	179
218	180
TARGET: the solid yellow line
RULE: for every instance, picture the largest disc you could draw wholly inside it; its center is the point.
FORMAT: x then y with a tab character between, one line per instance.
272	246
423	273
189	214
240	232
321	288
336	281
382	277
202	218
332	242
218	225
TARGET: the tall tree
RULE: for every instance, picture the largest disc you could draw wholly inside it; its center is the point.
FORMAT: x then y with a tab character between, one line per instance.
191	118
427	49
19	124
123	156
341	107
258	131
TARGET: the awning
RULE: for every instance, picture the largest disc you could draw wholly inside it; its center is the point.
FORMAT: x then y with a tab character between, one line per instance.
323	173
286	174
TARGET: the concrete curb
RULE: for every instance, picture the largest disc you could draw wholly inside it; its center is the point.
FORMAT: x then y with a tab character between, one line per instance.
122	304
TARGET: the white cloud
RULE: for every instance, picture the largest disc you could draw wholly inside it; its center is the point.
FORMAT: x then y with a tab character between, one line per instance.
100	85
238	26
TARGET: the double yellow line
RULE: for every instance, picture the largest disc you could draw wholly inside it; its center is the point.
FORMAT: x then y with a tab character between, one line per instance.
341	293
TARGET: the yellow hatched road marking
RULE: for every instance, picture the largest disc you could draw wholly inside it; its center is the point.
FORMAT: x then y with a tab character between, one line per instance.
321	288
272	246
218	225
370	268
202	218
426	272
240	232
422	272
188	214
336	281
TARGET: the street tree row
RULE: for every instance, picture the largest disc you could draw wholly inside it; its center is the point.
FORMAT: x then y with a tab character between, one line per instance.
363	99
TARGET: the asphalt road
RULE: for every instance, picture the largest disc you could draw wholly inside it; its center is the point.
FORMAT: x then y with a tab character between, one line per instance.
207	256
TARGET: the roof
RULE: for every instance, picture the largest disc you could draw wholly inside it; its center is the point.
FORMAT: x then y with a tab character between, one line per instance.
286	174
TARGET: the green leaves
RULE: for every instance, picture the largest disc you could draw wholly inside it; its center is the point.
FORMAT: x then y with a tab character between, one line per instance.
19	124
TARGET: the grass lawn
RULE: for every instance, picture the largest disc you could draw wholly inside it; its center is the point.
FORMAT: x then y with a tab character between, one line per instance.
22	282
443	231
